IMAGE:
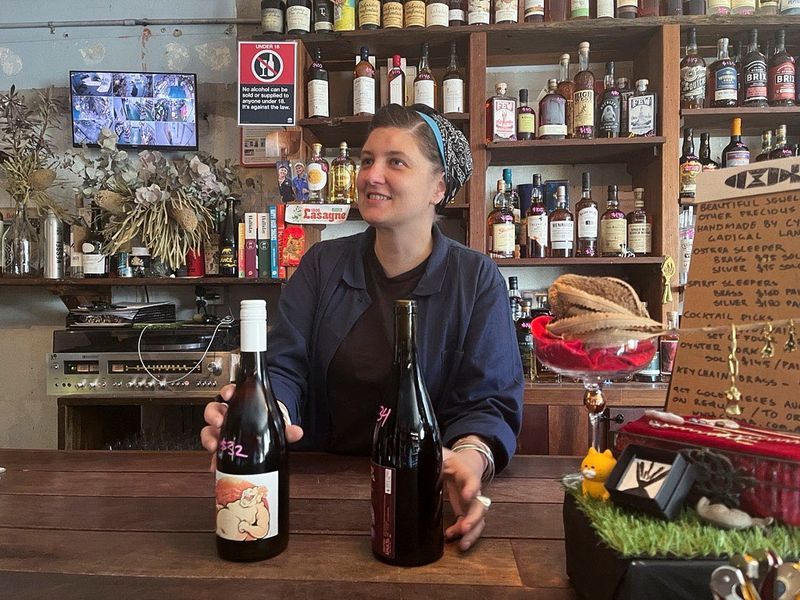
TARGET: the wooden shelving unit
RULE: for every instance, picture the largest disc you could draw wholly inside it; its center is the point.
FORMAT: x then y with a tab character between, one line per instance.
717	121
574	152
579	261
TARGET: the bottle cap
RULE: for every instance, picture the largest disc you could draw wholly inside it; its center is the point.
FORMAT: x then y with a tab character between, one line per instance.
537	180
561	192
552	83
500	87
140	251
583	46
253	310
317	148
565	57
396	60
405	307
587	180
523	95
513	282
642	83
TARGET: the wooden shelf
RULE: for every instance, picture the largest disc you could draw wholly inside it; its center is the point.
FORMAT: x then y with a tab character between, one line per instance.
712	27
594	260
717	121
616	394
132	281
573	152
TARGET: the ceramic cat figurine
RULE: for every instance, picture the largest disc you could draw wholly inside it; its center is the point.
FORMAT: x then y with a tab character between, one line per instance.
596	468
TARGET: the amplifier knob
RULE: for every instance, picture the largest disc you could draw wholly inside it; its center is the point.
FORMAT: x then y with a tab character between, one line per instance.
131	384
151	384
162	385
140	384
92	384
215	368
80	385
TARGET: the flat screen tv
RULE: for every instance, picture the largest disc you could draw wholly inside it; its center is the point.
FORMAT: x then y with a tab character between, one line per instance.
146	110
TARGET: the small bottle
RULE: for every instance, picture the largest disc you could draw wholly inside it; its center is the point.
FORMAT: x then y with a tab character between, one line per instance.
693	74
534	11
668	347
608	119
736	153
558	10
767	7
562	227
705	153
690	166
766	145
649	8
583	97
579	10
317	176
228	242
317	88
323	15
369	14
397	82
413	13
536	222
514	298
754	74
552	114
723	79
392	14
566	88
457	14
252	459
364	85
781	149
501	116
627	9
586	215
789	7
453	85
344	15
500	225
437	13
625	92
718	7
272	16
613	226
525	340
424	83
342	186
478	12
640	226
526	118
298	17
781	89
505	11
642	110
605	9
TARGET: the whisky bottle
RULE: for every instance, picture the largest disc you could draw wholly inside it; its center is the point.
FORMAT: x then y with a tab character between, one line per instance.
317	176
562	227
780	83
586	215
689	166
723	80
500	116
718	7
413	13
522	324
513	201
642	107
766	145
505	11
627	9
453	85
781	149
500	225
392	14
640	226
344	15
566	87
298	17
583	96
364	85
437	13
705	153
552	114
536	222
579	10
767	7
317	87
514	298
424	83
754	74
693	75
625	92
457	13
369	14
342	178
736	153
534	11
743	7
526	118
608	119
396	79
478	12
613	226
323	15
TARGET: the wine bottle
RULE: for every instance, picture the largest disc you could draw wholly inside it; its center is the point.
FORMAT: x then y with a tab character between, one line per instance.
369	14
272	16
406	459
323	15
252	490
453	85
736	153
317	87
298	17
397	82
364	85
95	263
228	256
424	83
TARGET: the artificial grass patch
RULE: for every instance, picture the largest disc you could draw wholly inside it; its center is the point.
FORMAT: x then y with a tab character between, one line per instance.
636	535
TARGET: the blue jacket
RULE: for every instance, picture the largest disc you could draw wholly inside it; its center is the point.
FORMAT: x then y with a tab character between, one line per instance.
466	340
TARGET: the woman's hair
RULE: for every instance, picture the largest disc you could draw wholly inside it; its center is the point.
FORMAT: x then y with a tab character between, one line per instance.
401	117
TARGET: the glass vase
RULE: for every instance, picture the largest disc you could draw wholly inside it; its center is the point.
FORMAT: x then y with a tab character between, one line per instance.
20	244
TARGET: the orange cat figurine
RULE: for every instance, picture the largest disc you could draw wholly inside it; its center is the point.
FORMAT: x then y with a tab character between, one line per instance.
596	468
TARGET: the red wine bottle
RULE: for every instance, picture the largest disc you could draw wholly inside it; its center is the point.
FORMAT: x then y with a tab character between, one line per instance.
406	459
252	491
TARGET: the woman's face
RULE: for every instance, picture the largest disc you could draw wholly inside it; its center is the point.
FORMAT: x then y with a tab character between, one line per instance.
396	184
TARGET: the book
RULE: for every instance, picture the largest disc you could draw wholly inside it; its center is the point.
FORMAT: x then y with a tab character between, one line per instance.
262	236
250	245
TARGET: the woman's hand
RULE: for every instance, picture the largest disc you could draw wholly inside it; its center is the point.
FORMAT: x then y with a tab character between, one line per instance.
214	414
462	479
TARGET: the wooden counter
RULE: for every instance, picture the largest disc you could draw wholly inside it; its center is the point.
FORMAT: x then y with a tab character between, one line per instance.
139	525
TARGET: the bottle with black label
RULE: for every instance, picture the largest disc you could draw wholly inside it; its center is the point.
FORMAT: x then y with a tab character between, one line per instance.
323	15
317	87
608	121
526	118
228	256
298	17
95	263
754	74
406	467
705	153
252	478
690	166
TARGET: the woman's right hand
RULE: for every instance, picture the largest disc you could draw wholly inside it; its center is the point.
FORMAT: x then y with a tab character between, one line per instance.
214	414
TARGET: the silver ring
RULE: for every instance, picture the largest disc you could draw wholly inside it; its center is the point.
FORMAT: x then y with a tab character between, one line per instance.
485	500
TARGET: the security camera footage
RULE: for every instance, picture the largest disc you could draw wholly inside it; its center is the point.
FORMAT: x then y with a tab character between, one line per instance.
145	110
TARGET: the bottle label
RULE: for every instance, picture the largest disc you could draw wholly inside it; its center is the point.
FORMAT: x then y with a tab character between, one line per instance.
414	13
687	241
478	12
363	95
640	237
693	82
456	14
322	17
534	8
789	4
93	264
342	179
726	84
668	348
453	96
298	18
737	158
392	15
396	91
369	13
506	10
562	234
247	505
424	91
580	8
437	15
613	235
272	20
605	9
526	123
317	176
628	4
317	98
552	129
781	78
608	120
583	109
537	229
719	7
384	498
587	223
503	238
344	15
504	122
743	7
642	114
689	171
227	258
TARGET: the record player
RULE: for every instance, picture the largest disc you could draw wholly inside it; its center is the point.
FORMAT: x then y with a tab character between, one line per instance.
102	314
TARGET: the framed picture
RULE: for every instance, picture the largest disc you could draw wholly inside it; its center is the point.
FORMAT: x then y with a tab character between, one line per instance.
651	480
264	146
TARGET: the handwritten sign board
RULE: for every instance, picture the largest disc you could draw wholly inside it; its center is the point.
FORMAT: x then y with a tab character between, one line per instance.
745	269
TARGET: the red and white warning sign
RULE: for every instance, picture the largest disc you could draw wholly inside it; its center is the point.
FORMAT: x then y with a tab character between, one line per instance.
267	83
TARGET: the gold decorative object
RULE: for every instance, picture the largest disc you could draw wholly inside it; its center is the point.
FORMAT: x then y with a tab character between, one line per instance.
791	340
667	272
768	351
733	395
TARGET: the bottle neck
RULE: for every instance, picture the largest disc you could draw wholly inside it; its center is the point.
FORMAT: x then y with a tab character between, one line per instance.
780	138
583	60
423	62
251	364
722	52
780	44
766	142
405	337
453	66
705	148
564	72
688	145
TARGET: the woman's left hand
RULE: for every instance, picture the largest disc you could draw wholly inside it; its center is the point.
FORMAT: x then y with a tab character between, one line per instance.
462	480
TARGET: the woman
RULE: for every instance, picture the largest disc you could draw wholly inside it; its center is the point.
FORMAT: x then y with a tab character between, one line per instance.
331	348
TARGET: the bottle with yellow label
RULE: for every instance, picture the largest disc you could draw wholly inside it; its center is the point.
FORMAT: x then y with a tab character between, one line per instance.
342	178
392	13
344	15
526	118
414	13
369	14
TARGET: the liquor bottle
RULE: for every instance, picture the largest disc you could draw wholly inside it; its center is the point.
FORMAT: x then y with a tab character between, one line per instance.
406	468
583	96
767	7
317	87
437	13
627	9
424	83
736	153
364	85
686	238
317	176
252	458
552	114
743	7
694	7
95	263
625	92
298	17
272	16
397	82
514	298
642	110
342	186
605	9
557	10
705	153
344	15
534	11
512	199
608	119
781	85
478	12
722	80
754	74
781	149
453	85
522	325
323	15
690	166
640	226
789	7
579	10
500	116
413	13
672	8
649	8
228	242
613	226
457	13
766	145
526	118
369	14
693	75
586	215
566	88
505	11
718	7
536	222
500	225
562	227
668	347
392	14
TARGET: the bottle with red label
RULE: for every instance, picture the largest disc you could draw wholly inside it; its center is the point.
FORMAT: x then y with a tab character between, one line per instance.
781	82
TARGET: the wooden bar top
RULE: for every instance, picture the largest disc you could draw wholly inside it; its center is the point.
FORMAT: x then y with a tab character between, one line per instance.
95	524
